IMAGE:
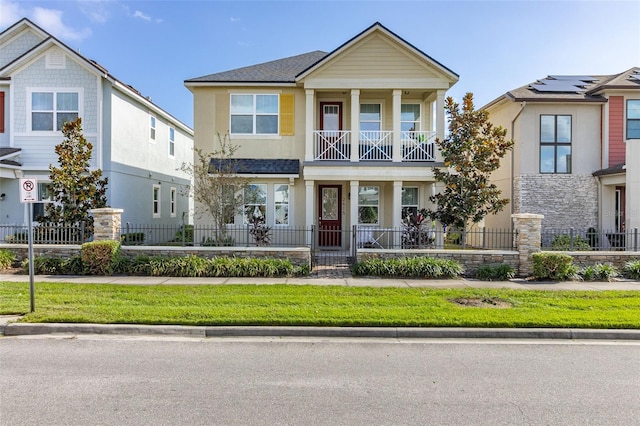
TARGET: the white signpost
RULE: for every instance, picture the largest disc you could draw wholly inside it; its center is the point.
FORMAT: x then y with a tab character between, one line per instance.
29	195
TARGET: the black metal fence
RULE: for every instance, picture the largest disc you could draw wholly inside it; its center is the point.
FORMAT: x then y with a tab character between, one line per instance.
46	233
573	239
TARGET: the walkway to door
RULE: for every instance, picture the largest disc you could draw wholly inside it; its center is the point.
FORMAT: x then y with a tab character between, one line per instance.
332	263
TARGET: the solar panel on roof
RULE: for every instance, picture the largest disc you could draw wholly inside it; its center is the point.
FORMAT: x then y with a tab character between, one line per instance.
573	77
557	88
562	82
636	76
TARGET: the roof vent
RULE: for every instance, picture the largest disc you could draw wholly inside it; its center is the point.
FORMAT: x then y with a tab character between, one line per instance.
55	59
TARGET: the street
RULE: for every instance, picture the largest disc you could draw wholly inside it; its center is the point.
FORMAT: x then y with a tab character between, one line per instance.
93	380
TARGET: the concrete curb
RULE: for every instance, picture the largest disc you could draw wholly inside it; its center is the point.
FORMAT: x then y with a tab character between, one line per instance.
30	329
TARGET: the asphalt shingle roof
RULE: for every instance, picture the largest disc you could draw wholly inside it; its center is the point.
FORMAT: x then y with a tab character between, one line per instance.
256	166
279	71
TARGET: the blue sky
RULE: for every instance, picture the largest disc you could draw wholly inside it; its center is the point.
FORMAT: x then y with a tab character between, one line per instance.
494	46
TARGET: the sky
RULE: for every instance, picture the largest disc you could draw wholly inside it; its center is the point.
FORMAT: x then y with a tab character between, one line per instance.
494	46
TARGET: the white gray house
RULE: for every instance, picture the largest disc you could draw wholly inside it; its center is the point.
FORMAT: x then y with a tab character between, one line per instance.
138	145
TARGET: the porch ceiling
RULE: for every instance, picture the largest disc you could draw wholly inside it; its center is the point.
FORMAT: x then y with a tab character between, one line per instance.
361	171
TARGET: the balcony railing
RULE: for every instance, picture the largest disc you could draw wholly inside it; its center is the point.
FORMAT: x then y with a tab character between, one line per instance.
335	145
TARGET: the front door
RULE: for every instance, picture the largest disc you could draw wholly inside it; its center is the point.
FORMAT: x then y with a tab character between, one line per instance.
330	215
332	145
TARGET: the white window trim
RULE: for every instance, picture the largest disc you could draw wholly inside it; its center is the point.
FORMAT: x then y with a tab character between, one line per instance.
31	90
365	205
254	115
172	142
372	102
154	128
158	201
173	201
267	219
419	122
417	205
281	225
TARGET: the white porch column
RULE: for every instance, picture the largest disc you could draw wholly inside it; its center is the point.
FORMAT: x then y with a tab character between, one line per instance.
355	125
310	113
397	211
397	143
310	208
440	120
633	185
353	205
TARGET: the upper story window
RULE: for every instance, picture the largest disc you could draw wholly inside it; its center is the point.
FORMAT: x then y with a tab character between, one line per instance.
555	144
254	114
152	128
410	117
370	117
172	142
633	119
50	110
368	204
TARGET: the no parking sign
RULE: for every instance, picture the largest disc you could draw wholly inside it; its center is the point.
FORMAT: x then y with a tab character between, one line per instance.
28	190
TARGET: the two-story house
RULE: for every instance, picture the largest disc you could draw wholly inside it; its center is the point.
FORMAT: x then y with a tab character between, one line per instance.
331	139
138	145
576	158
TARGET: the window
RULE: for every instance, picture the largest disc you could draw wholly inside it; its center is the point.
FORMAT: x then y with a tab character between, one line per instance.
555	144
172	142
152	128
409	201
368	204
43	195
1	112
281	204
370	117
254	114
50	110
156	200
633	119
172	201
410	117
255	202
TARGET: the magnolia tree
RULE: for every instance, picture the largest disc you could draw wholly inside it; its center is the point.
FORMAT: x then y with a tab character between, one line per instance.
472	150
74	188
218	190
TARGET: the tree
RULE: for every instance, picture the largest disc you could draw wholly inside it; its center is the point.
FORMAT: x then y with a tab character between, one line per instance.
218	190
472	151
74	188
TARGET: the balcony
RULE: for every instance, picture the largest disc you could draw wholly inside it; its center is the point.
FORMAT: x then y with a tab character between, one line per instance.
335	145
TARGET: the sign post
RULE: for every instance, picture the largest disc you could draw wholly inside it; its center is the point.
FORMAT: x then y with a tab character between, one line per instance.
29	195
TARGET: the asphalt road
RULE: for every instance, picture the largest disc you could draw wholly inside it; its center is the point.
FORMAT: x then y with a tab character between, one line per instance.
115	380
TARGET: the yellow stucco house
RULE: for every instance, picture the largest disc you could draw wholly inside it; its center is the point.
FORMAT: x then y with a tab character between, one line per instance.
331	139
576	158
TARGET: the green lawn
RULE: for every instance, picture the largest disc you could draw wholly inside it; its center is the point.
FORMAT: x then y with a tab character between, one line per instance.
319	306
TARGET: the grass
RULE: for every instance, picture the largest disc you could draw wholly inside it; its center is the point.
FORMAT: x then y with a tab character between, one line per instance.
317	306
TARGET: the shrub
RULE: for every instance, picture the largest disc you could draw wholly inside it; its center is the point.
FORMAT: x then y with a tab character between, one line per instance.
563	243
501	272
132	238
43	265
73	266
631	269
410	267
186	232
7	259
599	272
555	266
99	257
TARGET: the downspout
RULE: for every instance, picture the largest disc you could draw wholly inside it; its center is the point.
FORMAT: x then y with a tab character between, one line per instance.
513	156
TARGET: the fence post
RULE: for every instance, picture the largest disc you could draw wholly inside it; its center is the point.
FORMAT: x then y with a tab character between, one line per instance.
82	225
572	235
528	229
635	239
354	242
484	238
106	223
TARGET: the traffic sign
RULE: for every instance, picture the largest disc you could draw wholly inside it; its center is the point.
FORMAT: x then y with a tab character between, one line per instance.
28	190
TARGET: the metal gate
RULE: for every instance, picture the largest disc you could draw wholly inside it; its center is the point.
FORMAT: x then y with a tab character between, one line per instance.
340	252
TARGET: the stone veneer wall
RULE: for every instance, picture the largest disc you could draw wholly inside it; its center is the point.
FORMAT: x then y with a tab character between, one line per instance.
565	201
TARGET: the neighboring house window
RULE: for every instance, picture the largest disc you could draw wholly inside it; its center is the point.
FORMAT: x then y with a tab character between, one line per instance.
43	195
172	201
156	200
409	201
410	117
50	110
255	202
172	142
254	114
368	204
555	144
1	112
281	204
370	117
152	128
633	119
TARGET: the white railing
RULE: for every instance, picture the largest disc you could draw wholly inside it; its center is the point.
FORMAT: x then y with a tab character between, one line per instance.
376	145
332	145
418	146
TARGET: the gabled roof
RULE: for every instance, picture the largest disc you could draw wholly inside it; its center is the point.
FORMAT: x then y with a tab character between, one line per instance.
294	68
6	155
563	88
50	40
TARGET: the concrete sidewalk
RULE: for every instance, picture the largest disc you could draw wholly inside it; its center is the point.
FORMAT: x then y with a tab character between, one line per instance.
8	326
